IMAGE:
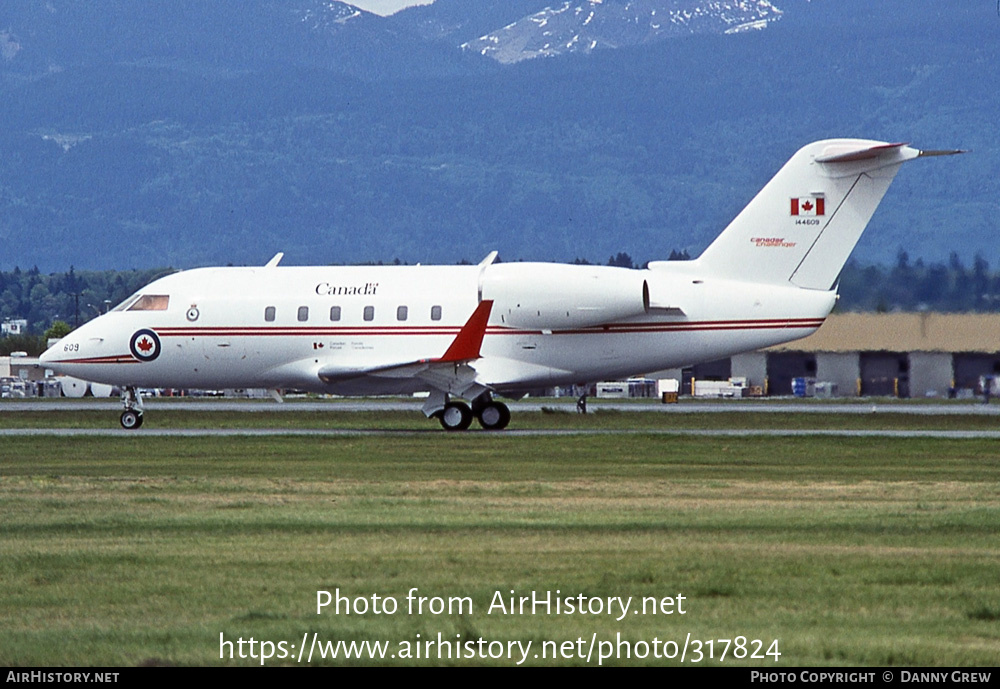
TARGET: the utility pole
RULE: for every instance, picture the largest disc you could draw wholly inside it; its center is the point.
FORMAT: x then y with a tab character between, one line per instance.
76	311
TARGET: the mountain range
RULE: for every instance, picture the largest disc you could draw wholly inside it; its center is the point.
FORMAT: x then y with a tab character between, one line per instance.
582	27
190	133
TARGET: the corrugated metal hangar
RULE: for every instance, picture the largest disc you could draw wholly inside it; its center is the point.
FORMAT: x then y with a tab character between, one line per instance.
867	354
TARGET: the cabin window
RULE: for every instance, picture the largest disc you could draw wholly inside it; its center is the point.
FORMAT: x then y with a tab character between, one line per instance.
435	313
334	313
269	314
369	313
150	302
401	313
303	313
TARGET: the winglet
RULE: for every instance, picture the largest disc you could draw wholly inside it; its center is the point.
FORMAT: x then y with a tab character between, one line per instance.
470	338
276	260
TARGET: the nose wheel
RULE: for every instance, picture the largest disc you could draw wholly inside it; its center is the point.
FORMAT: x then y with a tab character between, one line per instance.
131	418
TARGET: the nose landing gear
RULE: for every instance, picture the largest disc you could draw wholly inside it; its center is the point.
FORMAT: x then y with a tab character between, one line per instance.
131	418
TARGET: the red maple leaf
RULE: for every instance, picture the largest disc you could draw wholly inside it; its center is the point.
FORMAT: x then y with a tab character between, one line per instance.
144	344
807	206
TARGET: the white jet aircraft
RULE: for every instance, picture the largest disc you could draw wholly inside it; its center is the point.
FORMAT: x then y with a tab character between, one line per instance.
473	332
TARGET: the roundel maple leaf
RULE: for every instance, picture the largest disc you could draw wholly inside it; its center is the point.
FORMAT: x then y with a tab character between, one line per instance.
145	345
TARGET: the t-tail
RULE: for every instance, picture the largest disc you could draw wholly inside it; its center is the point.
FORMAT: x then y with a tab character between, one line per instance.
803	225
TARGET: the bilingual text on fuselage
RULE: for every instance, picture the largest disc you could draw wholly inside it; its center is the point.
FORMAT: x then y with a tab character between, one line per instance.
331	290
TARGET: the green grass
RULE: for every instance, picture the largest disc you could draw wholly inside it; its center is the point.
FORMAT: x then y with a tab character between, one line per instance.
123	551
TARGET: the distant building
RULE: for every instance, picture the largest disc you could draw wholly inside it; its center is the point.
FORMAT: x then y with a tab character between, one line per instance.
13	326
21	376
872	354
21	367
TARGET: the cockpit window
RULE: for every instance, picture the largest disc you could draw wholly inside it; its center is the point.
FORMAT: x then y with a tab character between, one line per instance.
150	302
127	303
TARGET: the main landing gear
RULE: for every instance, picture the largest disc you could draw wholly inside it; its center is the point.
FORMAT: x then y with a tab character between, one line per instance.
492	415
131	418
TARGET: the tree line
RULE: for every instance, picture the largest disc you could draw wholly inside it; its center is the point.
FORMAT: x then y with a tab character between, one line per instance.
55	303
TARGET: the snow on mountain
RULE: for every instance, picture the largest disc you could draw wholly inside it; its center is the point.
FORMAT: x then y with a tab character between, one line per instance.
326	15
38	38
582	27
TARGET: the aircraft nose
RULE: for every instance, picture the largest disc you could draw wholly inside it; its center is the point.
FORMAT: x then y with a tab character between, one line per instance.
47	356
55	356
50	357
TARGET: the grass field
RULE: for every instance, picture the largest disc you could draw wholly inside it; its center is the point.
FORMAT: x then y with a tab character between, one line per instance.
847	551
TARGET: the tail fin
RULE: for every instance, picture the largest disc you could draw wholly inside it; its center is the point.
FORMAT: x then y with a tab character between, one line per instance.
803	225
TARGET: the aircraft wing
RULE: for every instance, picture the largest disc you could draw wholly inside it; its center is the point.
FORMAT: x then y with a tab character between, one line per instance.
449	373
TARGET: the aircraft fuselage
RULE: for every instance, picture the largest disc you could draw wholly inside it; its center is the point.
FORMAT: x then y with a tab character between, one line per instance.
277	327
472	331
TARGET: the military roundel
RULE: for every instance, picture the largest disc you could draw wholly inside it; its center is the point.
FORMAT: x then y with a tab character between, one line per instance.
145	345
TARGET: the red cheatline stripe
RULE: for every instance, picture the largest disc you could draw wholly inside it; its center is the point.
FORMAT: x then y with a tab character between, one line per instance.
119	359
292	328
698	326
758	324
620	329
270	332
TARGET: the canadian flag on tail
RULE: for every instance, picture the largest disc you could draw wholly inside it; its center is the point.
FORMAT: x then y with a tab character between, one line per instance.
808	206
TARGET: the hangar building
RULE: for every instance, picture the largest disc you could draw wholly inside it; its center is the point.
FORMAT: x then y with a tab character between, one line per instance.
896	354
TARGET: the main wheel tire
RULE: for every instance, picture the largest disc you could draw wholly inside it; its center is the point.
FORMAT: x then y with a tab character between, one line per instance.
130	419
456	416
494	416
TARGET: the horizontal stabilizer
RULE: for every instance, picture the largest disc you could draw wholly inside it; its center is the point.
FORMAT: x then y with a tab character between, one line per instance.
943	152
859	153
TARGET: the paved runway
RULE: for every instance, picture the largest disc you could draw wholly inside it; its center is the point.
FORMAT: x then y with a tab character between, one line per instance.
879	406
112	406
435	430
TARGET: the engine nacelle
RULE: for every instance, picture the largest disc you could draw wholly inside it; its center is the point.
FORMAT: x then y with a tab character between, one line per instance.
546	296
670	293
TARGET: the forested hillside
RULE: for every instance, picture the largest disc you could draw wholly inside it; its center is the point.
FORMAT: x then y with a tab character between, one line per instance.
188	152
71	297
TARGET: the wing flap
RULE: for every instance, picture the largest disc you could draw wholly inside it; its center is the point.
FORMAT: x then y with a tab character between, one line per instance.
404	369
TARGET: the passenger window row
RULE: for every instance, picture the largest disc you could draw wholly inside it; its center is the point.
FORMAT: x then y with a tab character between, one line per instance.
302	315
